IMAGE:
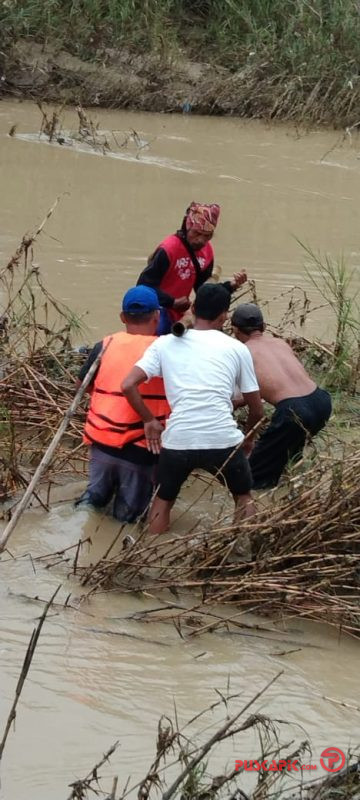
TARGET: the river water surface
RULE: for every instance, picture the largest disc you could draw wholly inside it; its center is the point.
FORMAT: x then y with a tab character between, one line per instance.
87	687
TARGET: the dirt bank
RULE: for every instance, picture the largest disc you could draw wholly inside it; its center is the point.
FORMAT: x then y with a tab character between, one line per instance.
117	78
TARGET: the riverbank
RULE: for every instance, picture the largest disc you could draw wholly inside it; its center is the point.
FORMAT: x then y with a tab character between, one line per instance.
207	58
122	79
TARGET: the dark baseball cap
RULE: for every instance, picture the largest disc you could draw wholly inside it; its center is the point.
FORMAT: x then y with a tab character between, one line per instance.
140	300
211	300
247	315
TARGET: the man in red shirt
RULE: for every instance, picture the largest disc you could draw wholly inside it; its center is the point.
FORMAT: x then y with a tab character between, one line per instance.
183	262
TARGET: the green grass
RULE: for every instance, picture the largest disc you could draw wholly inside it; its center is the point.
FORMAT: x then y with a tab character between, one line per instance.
296	35
334	281
294	58
85	25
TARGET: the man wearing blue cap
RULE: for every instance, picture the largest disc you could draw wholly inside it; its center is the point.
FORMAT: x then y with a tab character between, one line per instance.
121	467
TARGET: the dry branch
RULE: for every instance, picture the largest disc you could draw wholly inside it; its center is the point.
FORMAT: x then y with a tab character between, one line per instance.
217	737
80	787
38	368
305	548
47	457
24	671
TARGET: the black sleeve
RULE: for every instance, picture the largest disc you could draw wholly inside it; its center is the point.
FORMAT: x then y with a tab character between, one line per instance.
90	360
153	274
203	276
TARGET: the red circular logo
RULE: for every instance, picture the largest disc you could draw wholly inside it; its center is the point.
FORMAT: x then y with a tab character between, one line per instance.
332	759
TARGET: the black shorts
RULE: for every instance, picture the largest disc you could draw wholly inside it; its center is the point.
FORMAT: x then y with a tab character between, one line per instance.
293	420
229	464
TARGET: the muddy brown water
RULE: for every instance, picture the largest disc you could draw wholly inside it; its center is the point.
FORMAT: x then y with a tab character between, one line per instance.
88	688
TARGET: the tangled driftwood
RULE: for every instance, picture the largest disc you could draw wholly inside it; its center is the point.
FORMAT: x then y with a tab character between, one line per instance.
305	555
38	367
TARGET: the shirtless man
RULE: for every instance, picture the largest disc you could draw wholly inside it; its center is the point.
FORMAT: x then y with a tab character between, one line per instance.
301	408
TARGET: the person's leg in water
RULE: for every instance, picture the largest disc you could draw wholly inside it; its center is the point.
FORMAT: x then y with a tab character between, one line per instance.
244	507
102	480
135	485
159	517
231	468
173	469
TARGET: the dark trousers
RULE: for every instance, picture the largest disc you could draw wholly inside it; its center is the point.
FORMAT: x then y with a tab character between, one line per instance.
129	485
284	438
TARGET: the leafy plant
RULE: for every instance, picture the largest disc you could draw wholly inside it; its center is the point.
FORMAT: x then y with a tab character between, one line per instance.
334	281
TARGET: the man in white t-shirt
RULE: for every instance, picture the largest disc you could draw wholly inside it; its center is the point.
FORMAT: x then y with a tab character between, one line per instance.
201	371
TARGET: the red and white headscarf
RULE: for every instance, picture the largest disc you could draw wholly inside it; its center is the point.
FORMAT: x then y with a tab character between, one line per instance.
202	218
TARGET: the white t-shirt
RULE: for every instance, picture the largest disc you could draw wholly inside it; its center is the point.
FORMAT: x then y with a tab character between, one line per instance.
200	371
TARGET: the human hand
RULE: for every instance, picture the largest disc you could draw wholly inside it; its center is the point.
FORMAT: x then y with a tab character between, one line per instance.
182	303
238	279
153	431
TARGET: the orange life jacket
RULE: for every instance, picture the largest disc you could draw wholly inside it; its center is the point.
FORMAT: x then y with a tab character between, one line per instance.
110	419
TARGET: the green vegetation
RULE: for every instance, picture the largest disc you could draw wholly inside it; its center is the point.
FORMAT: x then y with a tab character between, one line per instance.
293	34
334	281
297	58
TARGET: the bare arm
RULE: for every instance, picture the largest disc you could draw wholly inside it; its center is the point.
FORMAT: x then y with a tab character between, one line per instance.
152	427
255	406
132	394
237	399
256	413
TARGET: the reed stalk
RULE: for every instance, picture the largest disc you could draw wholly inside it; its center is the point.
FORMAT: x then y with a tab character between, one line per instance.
24	671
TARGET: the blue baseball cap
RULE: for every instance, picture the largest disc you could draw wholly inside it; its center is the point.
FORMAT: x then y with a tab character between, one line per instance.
140	300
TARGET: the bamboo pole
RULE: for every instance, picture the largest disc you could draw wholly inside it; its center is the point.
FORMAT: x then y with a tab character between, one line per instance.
46	459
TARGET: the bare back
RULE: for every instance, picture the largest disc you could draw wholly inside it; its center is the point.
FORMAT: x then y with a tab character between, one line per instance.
279	373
